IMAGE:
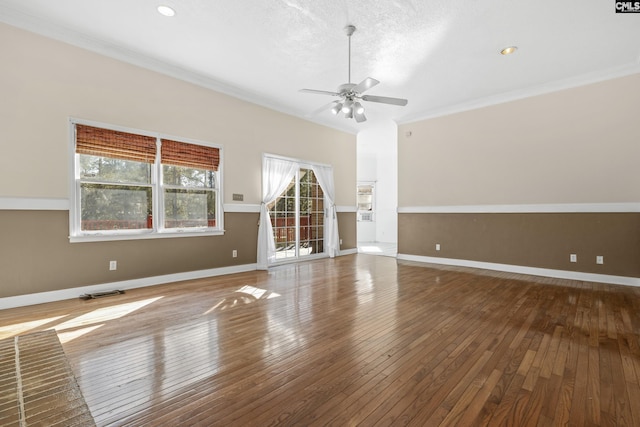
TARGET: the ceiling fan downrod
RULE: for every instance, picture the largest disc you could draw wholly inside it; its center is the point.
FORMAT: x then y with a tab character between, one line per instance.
349	29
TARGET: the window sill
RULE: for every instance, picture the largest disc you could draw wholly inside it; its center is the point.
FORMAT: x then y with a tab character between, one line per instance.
143	235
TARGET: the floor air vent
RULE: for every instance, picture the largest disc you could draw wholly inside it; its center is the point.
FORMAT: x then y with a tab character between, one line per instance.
101	294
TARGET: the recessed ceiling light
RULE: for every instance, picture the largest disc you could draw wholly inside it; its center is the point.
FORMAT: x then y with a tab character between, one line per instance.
166	10
509	50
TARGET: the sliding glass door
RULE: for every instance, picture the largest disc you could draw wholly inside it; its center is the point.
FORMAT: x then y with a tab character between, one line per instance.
297	218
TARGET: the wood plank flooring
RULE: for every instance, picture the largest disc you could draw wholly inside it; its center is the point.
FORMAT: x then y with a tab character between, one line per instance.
356	340
37	387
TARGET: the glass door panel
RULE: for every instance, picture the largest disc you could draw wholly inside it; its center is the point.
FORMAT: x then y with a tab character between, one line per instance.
311	205
297	218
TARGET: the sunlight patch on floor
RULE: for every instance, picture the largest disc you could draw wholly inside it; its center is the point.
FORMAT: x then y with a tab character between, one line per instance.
105	314
250	294
70	335
257	292
20	328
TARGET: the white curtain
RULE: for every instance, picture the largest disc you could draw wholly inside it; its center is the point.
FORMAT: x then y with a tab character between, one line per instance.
276	176
324	175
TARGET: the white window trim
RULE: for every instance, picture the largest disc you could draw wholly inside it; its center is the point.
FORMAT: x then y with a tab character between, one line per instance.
75	235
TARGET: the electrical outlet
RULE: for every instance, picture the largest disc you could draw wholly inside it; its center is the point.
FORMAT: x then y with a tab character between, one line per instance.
573	258
599	259
340	242
234	253
437	246
113	265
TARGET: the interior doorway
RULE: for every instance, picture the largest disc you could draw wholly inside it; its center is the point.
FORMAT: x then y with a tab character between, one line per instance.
377	177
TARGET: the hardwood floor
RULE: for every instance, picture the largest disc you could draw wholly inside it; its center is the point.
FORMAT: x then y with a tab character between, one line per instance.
37	386
358	339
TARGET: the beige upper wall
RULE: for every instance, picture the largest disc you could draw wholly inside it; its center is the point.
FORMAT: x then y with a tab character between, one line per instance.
580	145
44	82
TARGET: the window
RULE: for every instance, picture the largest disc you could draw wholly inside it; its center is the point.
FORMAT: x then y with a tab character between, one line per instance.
131	185
189	183
365	202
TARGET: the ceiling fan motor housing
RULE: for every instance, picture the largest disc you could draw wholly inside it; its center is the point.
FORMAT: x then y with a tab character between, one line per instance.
346	90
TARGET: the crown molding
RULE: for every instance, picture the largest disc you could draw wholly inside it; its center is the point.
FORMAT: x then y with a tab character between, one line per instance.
542	89
30	23
47	29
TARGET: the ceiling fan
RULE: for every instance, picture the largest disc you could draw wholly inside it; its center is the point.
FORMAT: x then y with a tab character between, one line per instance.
351	94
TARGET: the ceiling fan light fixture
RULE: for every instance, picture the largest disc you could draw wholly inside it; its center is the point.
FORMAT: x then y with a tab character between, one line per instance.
336	108
359	108
347	107
360	117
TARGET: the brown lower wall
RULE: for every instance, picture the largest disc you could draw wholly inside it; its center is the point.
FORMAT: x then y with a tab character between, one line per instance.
36	256
347	227
542	240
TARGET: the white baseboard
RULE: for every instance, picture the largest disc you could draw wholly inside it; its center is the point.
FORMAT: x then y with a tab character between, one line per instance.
348	251
534	271
62	294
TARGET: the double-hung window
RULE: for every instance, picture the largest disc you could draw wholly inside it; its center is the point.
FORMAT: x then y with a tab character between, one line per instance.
136	185
189	182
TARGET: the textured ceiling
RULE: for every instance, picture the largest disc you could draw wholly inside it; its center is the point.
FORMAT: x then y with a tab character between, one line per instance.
443	56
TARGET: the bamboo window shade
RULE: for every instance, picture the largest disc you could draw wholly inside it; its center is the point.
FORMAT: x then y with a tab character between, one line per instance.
111	143
190	155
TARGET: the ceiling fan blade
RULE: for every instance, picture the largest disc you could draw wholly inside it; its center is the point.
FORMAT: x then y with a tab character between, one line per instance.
320	92
360	117
366	84
385	100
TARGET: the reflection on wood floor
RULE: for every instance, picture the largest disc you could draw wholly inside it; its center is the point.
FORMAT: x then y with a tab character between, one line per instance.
378	248
356	339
